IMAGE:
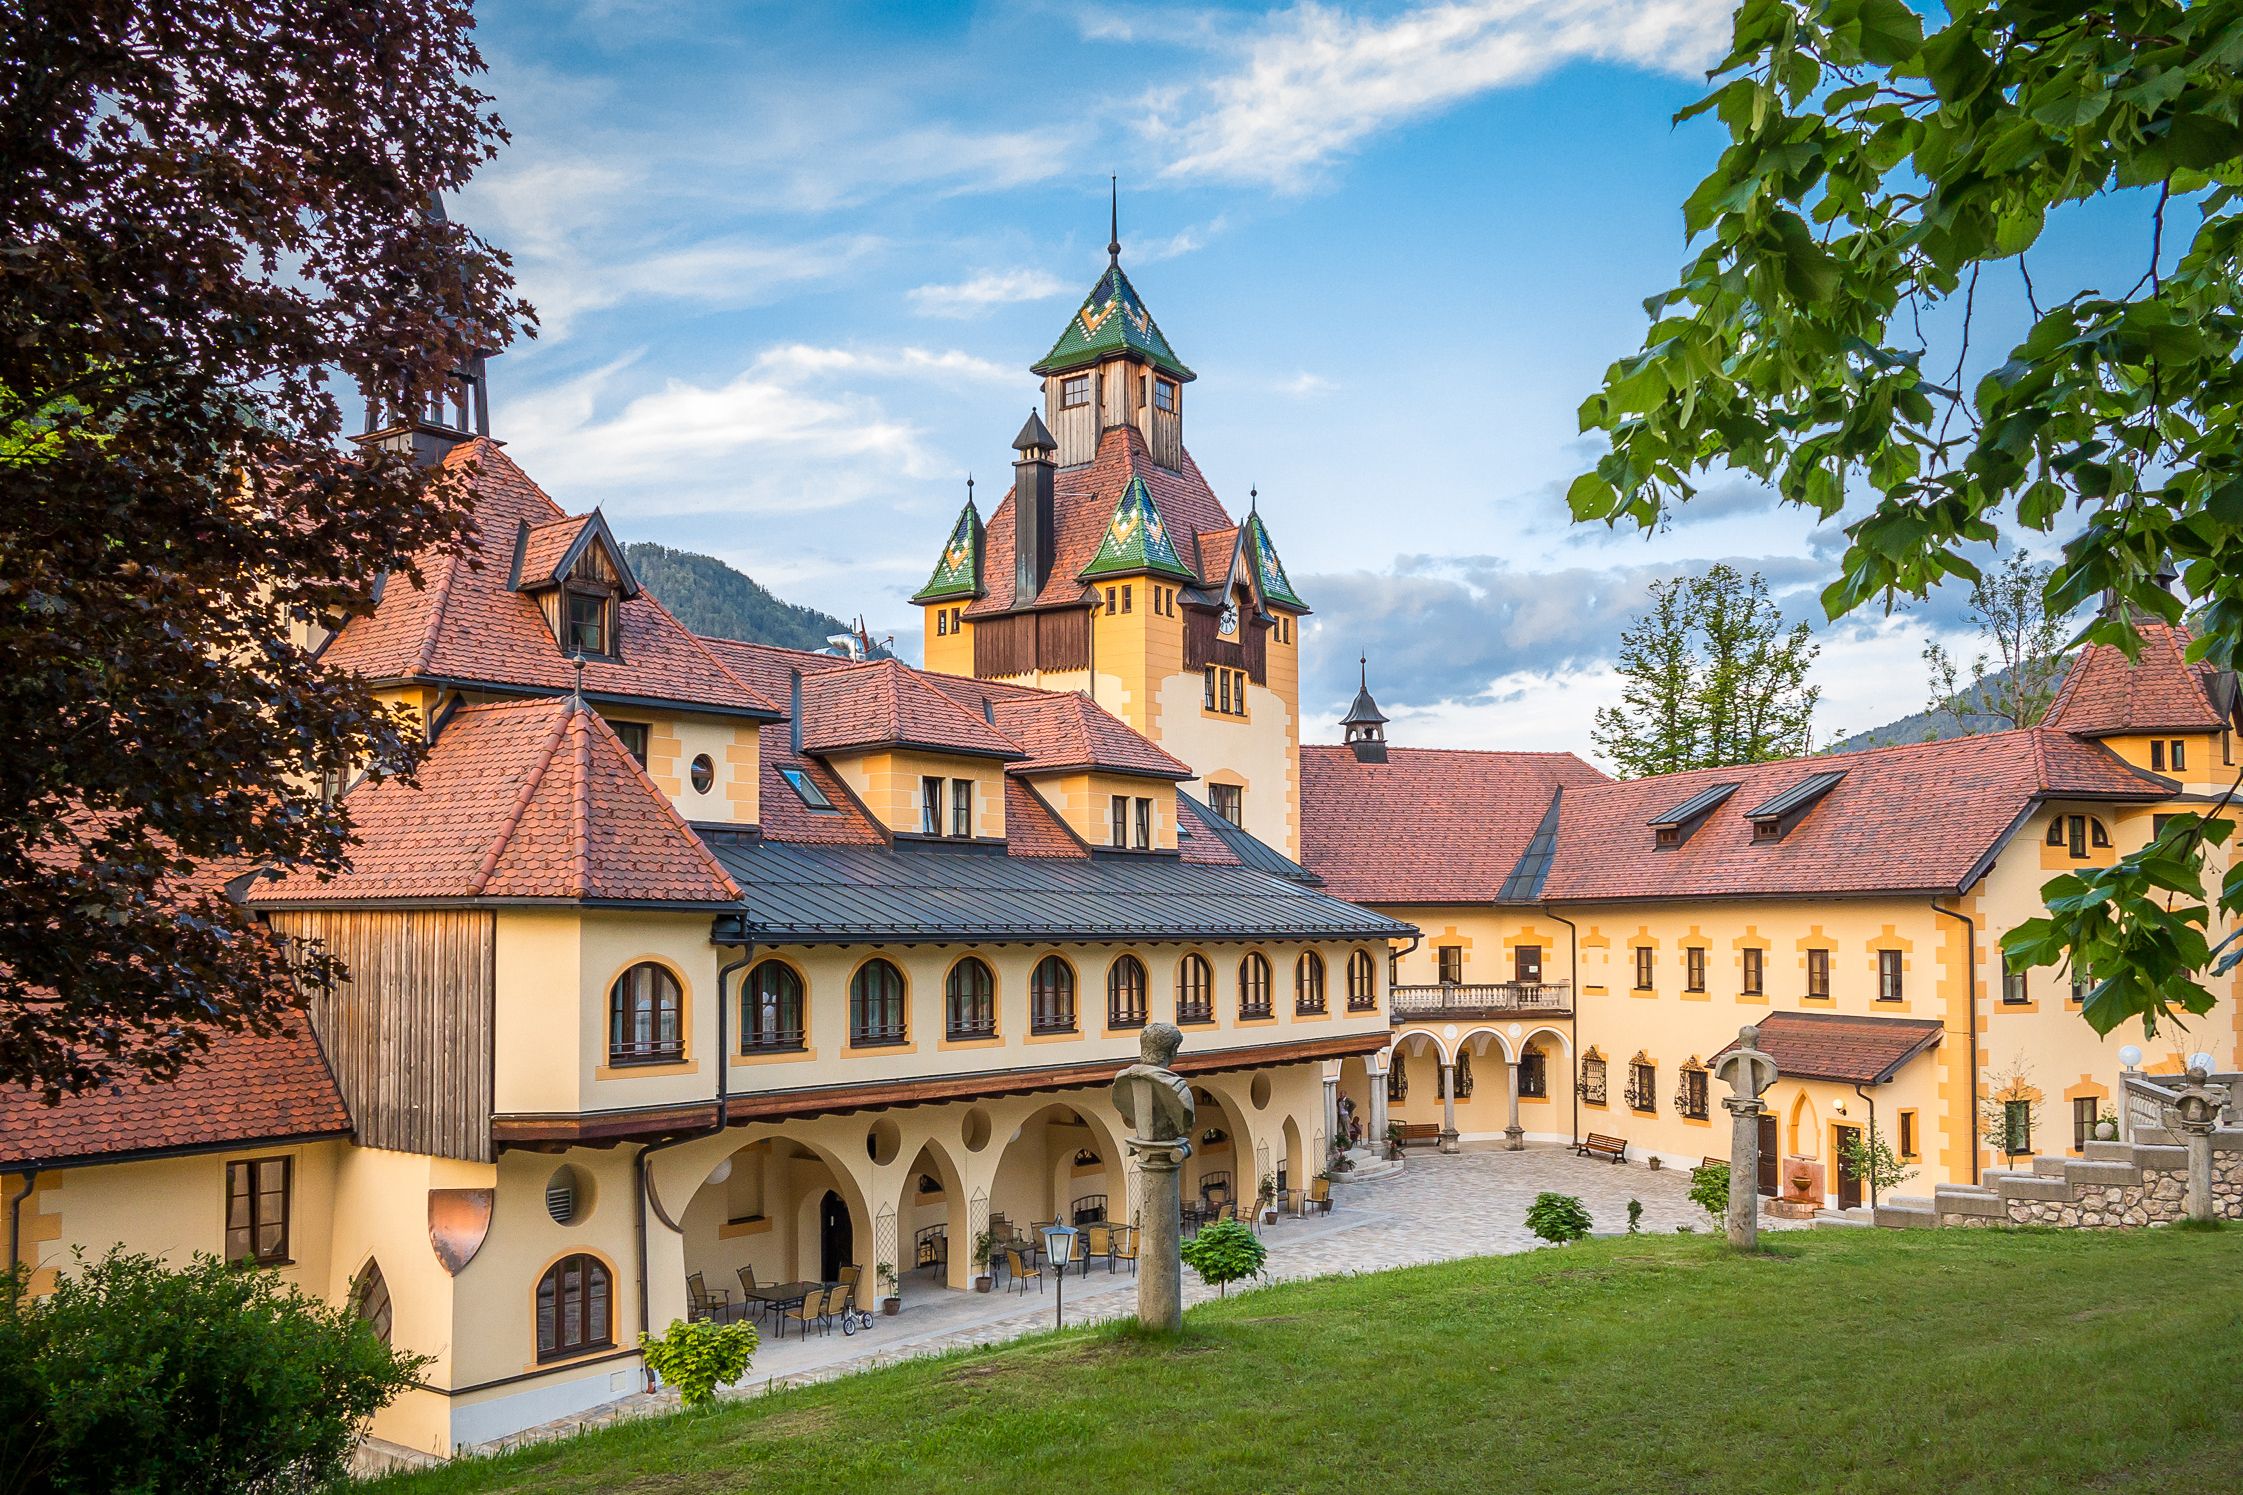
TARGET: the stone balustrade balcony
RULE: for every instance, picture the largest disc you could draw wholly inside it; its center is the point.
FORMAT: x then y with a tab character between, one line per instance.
1465	1000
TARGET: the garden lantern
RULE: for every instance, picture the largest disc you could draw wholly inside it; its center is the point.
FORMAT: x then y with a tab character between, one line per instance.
1059	1249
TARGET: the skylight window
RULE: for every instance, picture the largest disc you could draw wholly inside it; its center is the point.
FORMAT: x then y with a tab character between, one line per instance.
809	793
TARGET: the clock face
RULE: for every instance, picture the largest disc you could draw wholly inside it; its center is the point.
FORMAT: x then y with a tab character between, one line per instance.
1227	624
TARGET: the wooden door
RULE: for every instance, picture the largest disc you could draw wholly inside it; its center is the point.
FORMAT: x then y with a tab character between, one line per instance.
1770	1164
1849	1181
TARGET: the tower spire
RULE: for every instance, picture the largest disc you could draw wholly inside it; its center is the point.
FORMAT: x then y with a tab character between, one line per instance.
1113	221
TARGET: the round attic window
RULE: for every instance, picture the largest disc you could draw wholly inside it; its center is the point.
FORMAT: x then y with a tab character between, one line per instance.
704	774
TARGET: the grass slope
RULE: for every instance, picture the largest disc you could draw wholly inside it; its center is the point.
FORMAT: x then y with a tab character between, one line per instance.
1836	1360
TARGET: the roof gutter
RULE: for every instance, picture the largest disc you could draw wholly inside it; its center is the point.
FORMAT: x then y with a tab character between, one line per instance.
1970	975
15	1219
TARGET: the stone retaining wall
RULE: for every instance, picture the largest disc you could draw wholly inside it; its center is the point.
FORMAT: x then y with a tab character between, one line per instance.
2117	1185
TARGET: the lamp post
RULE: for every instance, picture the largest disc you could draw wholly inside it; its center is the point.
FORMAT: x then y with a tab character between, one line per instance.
1059	1249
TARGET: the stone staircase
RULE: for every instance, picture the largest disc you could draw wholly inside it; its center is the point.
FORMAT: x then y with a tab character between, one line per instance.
2113	1184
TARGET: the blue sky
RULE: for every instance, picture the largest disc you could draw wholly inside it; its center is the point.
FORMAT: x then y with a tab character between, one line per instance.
794	260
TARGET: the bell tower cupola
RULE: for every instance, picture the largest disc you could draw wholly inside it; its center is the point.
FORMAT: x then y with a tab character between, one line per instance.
1111	367
1365	724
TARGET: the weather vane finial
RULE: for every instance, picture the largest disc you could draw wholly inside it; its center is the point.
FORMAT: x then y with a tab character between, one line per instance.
1363	665
1113	238
577	691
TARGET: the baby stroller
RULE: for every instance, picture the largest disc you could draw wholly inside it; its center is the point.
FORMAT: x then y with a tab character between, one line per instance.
851	1313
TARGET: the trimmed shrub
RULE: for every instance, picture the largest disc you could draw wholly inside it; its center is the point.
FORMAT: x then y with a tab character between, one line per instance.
1224	1253
697	1358
1558	1218
1709	1189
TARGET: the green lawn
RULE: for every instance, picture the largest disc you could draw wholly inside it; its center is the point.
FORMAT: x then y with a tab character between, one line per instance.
1851	1360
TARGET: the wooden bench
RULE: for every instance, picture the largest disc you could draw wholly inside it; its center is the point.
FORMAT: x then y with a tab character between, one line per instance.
1598	1145
1711	1162
1415	1133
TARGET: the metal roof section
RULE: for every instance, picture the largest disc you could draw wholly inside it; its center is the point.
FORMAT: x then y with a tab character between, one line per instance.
800	894
1799	796
1524	885
1256	854
1697	807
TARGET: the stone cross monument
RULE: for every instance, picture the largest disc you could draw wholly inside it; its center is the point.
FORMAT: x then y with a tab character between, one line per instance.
1748	1073
1157	1104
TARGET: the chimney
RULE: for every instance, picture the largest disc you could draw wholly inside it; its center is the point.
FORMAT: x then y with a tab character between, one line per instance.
1033	522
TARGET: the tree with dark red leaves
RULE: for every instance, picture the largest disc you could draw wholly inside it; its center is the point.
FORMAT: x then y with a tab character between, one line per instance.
214	227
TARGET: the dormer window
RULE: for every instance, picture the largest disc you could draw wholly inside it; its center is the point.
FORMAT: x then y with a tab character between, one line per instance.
1775	819
809	793
591	623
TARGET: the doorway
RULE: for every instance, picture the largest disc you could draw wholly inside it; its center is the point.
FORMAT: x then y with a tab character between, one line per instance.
1770	1165
836	1243
1842	1137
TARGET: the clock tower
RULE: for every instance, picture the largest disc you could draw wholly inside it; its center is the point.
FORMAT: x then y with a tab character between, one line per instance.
1112	568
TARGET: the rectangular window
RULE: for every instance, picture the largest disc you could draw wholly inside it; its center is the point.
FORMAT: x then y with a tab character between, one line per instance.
257	1211
930	806
1690	1100
1144	825
1643	1087
1694	968
2157	755
1907	1136
942	621
1228	801
1526	965
2017	1127
1818	973
2014	992
1074	392
1209	701
1223	690
1643	967
2076	827
962	808
809	793
2082	983
635	736
1113	600
587	623
1125	599
1451	958
1117	812
2083	1122
1756	972
2179	756
1164	394
1592	1080
1888	976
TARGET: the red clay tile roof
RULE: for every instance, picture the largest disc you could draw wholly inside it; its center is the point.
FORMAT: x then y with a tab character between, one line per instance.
2105	694
783	815
1083	504
1841	1047
465	624
1069	731
1918	817
1197	840
886	703
246	1088
545	546
1033	828
1429	825
532	800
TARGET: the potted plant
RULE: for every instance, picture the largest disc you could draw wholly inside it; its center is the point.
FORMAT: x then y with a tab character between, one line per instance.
985	1245
2106	1126
891	1301
1394	1141
1265	1198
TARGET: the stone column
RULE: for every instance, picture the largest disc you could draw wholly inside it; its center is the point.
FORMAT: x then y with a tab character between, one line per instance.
1514	1135
2195	1113
1333	1141
1160	1270
1378	1105
1448	1109
1742	1221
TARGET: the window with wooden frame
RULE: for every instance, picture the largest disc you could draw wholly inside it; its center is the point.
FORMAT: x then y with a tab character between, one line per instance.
636	737
1593	1079
1117	816
1051	996
1694	968
257	1203
2017	1127
1534	1074
1225	690
1643	1085
876	1006
575	1308
369	1301
1644	959
1460	1075
1125	993
1164	394
2083	1121
2177	757
1397	1080
1308	983
942	621
1690	1092
2015	993
1143	823
1451	961
1756	972
969	1001
962	809
2157	755
590	622
1254	986
1889	987
1526	965
1908	1136
1362	983
646	1017
771	1009
1228	801
1195	990
930	805
1818	974
1074	391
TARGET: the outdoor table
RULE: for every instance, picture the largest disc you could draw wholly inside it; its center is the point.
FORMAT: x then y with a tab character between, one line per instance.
780	1296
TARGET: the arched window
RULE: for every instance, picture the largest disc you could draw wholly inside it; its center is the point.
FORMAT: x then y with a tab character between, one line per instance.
876	1005
645	1017
1308	983
1534	1074
1397	1080
1362	983
1195	990
1462	1080
771	1009
1125	993
369	1300
1051	996
1253	986
969	1001
574	1312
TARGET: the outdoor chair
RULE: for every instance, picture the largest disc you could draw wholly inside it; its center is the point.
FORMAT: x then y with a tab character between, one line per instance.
1319	1197
749	1302
811	1310
1021	1271
1098	1240
1125	1247
701	1303
1227	1214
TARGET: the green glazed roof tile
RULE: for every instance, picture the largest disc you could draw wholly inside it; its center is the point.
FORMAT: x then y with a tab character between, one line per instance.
1275	586
958	573
1136	540
1112	320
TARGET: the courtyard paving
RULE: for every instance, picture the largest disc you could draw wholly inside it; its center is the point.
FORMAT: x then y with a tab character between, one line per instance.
1438	1208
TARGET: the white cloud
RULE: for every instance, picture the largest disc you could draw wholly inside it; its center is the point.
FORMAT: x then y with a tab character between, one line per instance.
1304	384
1321	79
977	294
804	359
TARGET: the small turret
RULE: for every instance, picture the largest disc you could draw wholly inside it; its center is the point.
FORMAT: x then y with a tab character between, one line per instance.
457	412
1365	724
1034	522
